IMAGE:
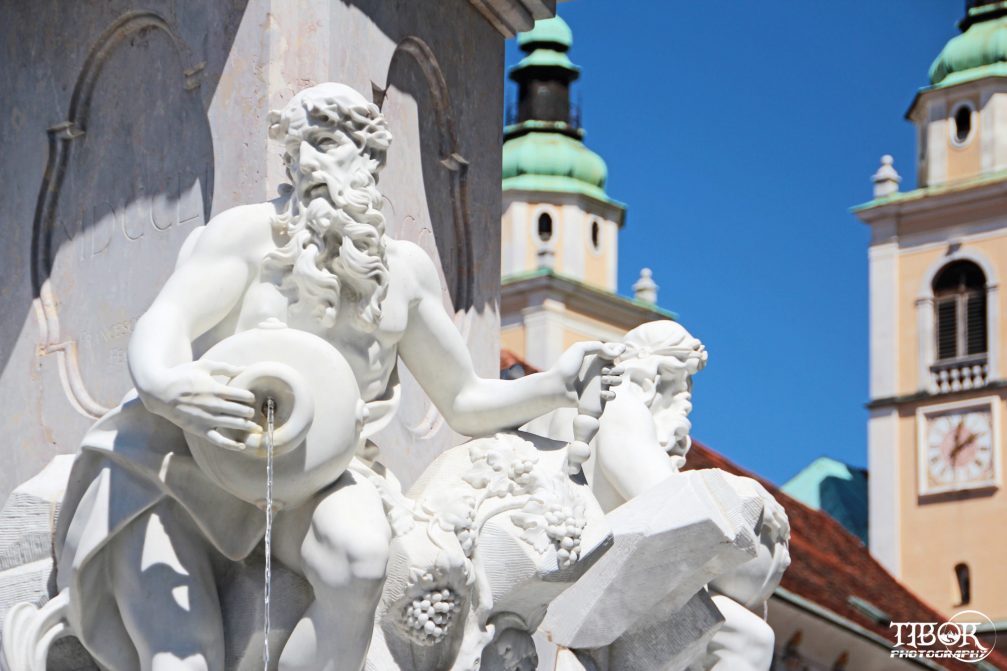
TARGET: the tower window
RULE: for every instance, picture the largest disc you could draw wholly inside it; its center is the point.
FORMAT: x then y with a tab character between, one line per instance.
961	122
596	235
960	311
963	580
544	227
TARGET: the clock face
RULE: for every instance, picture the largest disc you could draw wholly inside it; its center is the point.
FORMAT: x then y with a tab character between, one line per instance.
959	450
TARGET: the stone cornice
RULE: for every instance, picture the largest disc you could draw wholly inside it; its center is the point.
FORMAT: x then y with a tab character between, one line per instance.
621	312
921	396
937	201
511	17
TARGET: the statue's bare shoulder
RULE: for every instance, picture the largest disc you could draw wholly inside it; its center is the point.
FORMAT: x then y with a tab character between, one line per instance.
411	266
239	232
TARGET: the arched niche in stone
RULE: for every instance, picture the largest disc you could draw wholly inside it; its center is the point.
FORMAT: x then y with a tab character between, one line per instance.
425	186
128	177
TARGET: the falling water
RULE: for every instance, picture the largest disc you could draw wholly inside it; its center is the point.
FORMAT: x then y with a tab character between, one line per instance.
270	412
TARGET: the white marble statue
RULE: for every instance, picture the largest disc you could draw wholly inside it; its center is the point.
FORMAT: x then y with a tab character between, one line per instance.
298	311
642	444
500	530
304	300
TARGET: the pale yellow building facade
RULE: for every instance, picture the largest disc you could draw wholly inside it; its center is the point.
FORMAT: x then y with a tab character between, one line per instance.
560	229
938	336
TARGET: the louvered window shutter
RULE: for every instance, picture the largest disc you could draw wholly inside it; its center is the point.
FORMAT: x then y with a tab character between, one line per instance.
975	328
947	332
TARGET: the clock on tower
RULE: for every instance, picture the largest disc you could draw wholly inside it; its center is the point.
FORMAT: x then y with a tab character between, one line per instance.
957	444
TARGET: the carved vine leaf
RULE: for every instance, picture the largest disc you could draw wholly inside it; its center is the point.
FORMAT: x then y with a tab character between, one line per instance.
532	520
502	468
555	516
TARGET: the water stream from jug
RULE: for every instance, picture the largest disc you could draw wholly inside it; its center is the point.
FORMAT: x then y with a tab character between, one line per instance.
270	419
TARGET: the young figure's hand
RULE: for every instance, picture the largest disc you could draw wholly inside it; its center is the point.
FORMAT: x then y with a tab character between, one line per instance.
189	396
571	371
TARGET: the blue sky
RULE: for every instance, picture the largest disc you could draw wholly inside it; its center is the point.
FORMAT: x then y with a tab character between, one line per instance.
740	133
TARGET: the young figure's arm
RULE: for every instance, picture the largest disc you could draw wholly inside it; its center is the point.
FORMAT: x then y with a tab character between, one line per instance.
201	292
629	453
437	356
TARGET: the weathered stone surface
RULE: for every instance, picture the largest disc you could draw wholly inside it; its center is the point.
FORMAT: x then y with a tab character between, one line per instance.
191	85
671	638
685	531
27	525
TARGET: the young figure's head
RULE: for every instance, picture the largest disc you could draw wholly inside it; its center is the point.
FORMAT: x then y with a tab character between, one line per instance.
332	233
661	358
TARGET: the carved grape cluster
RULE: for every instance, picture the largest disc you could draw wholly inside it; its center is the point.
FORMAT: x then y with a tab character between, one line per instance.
467	539
429	615
521	471
564	529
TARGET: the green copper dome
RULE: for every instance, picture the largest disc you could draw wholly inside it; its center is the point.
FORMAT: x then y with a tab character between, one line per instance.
983	43
545	58
555	32
547	161
543	143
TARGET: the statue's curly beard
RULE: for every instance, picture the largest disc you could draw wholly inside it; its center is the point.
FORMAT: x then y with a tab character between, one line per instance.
671	415
334	254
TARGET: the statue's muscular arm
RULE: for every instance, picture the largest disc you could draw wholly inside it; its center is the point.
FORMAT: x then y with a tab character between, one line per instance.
204	288
437	356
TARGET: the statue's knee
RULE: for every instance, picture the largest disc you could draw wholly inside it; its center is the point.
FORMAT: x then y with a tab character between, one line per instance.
762	639
197	662
340	554
368	555
744	635
754	636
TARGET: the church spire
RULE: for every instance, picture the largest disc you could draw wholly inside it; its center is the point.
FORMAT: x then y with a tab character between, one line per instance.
544	77
982	10
982	44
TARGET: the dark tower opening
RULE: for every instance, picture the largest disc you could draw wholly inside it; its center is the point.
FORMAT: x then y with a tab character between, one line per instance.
544	78
981	10
544	98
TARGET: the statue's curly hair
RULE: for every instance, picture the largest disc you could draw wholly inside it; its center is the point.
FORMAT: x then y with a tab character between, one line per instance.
664	338
334	249
339	108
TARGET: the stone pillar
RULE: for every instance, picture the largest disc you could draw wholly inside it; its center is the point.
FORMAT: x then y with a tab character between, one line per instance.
131	124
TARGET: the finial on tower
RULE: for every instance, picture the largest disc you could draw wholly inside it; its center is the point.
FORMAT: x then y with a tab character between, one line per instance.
546	258
646	288
886	179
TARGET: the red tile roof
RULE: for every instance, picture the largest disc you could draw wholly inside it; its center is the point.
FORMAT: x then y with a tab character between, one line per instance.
508	359
829	565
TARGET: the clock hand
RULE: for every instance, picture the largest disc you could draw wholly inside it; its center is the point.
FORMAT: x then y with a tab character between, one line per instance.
961	446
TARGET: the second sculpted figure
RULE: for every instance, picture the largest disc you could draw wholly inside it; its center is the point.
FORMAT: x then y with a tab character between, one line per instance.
294	314
160	501
643	443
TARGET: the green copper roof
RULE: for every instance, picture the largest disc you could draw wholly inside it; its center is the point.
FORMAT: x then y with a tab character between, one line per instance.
555	161
545	58
983	43
554	31
836	488
548	154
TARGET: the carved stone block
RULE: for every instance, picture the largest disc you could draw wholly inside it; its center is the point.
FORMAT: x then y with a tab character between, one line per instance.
27	525
668	543
671	638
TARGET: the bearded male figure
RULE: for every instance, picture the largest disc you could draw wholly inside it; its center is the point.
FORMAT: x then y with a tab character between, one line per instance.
144	533
645	439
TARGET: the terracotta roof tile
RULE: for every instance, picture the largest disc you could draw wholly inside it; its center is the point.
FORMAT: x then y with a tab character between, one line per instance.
830	565
509	359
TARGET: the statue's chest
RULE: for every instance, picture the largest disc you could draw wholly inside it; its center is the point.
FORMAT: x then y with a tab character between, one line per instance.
371	354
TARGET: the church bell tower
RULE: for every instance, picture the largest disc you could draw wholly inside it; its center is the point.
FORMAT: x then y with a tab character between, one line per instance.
938	381
560	228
